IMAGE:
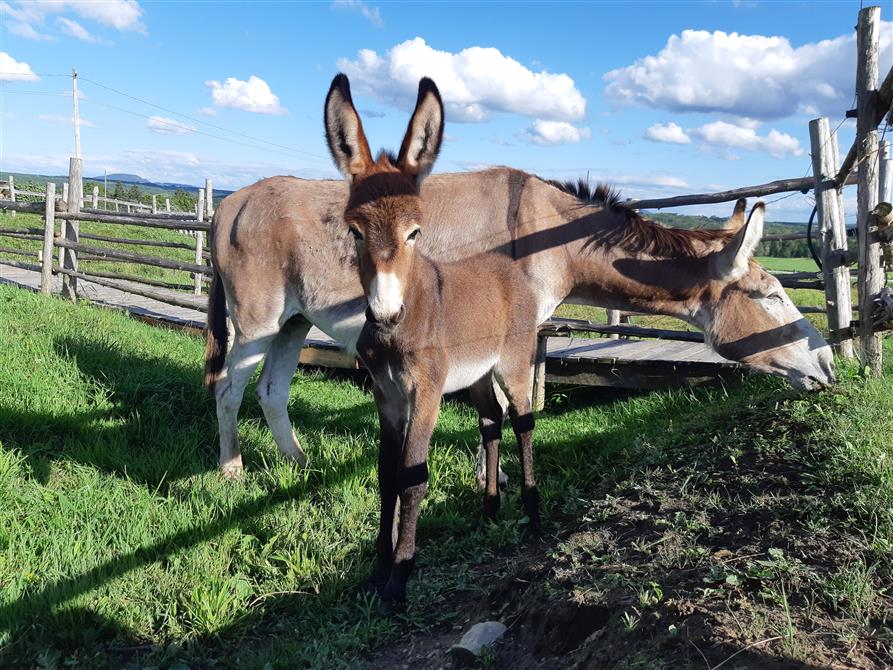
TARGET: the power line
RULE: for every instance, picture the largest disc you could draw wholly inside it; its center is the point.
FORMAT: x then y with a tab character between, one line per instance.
205	123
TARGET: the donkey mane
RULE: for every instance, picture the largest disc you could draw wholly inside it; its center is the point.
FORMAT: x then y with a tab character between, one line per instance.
640	234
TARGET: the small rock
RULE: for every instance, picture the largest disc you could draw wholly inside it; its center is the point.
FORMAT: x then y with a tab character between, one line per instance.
476	638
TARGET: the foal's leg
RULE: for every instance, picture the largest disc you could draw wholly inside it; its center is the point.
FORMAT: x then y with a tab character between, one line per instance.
275	382
490	424
392	425
241	361
412	484
480	471
516	379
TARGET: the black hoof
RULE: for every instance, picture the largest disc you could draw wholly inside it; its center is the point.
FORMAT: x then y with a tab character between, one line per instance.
491	506
391	607
376	582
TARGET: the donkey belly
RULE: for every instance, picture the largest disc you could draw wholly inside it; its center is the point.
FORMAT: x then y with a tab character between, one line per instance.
463	374
342	322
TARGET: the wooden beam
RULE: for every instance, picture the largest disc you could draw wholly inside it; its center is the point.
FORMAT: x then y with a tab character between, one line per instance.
129	288
884	101
71	231
127	256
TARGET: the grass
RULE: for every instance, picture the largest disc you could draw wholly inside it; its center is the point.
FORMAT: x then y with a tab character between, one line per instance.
120	542
788	264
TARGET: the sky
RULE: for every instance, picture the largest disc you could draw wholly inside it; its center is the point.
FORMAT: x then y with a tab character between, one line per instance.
658	98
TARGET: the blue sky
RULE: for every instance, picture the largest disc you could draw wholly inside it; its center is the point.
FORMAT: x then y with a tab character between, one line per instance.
661	98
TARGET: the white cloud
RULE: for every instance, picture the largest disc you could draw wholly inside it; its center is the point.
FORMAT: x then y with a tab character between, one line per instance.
718	138
207	111
728	135
58	118
124	15
253	95
746	75
370	12
667	132
165	126
25	30
555	132
474	82
74	29
12	70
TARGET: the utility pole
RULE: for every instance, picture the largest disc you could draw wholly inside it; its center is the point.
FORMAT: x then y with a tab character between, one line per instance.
77	116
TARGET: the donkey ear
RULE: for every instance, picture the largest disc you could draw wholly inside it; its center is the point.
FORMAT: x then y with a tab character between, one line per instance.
424	133
733	260
737	219
344	131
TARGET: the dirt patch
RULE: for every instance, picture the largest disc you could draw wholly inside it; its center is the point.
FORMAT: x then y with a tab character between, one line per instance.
732	556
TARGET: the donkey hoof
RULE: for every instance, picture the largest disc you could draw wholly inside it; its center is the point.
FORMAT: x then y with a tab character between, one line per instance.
375	584
491	506
297	456
232	471
390	607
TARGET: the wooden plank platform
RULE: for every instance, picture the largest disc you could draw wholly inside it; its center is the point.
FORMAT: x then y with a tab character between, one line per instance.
621	363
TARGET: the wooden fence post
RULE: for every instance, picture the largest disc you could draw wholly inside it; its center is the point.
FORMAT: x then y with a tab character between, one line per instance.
65	193
199	240
95	203
209	199
49	226
538	395
871	275
12	193
838	290
885	173
199	260
613	320
72	229
154	204
167	205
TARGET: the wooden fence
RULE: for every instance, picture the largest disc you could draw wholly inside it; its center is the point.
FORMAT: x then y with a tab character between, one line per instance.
61	238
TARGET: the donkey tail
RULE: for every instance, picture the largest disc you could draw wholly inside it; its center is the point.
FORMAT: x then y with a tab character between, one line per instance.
216	333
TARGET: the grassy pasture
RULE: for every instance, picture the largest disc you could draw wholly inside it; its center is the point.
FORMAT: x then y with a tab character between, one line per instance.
121	546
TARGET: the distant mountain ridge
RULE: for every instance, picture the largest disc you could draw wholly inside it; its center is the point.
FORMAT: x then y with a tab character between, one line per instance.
123	178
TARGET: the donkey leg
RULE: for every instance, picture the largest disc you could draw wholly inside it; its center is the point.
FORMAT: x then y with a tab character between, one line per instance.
275	382
516	382
490	424
389	447
480	471
241	361
412	484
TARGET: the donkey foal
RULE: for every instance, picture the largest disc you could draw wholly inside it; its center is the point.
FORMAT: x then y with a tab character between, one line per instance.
431	328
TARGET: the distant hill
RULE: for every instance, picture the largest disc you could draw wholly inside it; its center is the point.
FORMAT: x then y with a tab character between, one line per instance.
151	187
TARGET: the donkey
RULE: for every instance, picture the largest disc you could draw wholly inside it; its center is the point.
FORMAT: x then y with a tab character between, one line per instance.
284	260
432	328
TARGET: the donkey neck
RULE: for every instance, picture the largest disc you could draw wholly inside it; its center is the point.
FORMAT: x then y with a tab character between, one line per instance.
610	267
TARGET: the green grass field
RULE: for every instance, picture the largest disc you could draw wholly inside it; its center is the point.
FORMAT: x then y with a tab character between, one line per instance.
121	545
788	264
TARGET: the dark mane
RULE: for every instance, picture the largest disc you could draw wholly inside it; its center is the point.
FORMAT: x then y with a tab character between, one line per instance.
639	234
390	155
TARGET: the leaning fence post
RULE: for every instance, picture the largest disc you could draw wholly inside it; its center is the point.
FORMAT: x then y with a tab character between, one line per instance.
49	225
838	299
12	193
72	229
871	276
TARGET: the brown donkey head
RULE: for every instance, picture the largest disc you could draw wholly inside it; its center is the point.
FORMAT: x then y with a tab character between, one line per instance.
742	295
384	209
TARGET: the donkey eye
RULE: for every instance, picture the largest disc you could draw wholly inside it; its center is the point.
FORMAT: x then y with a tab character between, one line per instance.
357	235
776	297
414	234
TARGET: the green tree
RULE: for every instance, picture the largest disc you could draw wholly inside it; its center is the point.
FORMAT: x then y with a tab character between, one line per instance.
183	201
118	193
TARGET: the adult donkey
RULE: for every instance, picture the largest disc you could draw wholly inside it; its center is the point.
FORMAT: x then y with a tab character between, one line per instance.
284	261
